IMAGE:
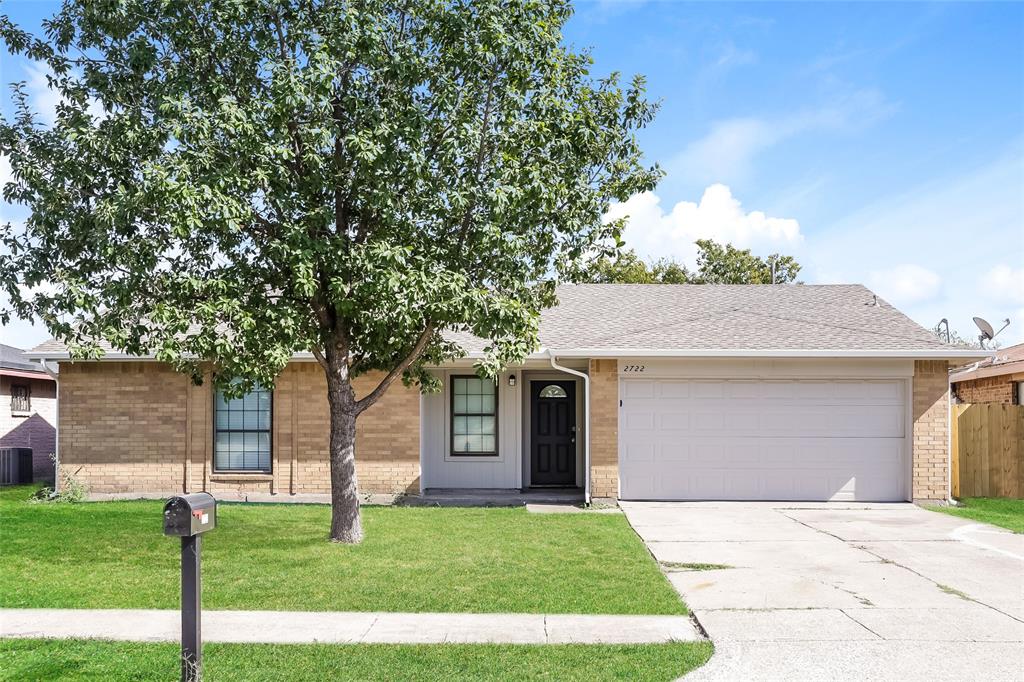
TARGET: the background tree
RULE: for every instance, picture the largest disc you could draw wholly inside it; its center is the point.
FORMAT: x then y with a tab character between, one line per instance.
956	340
716	264
350	178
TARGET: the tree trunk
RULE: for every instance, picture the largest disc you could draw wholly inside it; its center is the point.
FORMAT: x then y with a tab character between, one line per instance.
346	525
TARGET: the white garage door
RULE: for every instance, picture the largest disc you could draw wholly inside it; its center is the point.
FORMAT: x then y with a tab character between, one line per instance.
762	440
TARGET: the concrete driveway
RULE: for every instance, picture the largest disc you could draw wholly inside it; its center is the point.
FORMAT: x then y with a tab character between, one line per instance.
843	591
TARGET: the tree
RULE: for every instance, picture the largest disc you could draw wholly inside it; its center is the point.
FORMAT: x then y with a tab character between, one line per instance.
716	264
347	177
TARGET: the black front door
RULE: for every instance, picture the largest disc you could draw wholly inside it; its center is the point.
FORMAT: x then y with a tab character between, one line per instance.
552	433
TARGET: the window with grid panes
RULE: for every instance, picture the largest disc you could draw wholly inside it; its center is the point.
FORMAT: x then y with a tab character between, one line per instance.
474	426
242	432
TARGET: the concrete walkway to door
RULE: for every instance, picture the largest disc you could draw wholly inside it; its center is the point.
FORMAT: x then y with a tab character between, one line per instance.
299	627
843	592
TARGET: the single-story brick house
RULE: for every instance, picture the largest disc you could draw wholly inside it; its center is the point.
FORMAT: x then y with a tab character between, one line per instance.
674	392
998	379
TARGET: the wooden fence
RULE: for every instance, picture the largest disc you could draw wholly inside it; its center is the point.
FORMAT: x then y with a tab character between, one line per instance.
988	450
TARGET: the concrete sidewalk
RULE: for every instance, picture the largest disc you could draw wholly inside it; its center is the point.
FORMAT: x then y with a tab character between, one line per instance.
298	627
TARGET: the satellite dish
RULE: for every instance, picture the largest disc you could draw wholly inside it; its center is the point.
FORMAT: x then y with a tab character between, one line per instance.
987	332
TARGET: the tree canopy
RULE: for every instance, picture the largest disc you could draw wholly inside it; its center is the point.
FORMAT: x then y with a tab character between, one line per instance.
232	181
716	264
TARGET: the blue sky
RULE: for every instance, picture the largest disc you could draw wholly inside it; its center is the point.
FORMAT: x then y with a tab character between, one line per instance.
878	143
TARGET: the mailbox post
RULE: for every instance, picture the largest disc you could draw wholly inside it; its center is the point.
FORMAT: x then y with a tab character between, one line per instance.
188	517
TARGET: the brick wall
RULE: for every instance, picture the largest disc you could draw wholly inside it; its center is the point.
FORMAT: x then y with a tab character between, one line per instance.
32	430
985	390
141	427
931	431
604	428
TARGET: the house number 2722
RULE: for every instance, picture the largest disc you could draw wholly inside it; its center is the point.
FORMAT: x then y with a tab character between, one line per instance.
633	368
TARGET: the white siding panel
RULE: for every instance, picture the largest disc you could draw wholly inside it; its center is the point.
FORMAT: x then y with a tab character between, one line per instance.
441	471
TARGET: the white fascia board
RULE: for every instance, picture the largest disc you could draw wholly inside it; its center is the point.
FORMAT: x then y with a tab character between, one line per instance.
64	355
937	354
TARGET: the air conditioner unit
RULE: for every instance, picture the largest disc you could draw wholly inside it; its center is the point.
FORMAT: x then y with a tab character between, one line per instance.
15	466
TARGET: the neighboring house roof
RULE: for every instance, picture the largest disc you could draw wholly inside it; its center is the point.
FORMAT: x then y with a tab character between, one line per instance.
1006	361
13	362
717	319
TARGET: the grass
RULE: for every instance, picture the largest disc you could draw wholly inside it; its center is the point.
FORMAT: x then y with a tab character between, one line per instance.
1008	514
689	566
111	661
953	591
276	557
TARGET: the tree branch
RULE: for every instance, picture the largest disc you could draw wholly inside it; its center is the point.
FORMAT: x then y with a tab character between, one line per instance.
481	150
320	358
374	395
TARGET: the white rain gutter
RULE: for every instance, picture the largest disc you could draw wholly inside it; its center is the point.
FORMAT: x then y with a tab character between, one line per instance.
56	425
586	353
586	411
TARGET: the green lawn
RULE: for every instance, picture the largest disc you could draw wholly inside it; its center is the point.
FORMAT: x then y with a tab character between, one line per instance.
999	512
109	661
276	557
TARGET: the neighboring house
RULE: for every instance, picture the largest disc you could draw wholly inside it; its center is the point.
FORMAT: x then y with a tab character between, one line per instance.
998	379
28	409
779	392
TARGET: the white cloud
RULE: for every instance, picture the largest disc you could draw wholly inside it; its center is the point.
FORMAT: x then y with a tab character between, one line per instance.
1004	283
731	56
727	152
718	215
44	100
905	284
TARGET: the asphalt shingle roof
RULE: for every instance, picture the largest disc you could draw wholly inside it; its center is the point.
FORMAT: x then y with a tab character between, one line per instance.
14	358
1005	361
707	317
715	317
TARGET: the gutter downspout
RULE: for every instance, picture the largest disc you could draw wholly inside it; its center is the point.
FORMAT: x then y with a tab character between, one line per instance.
586	412
56	427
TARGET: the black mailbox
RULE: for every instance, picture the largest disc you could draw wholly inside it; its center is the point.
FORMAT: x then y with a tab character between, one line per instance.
188	515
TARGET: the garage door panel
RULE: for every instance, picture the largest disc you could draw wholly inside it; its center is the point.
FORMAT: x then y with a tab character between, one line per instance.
772	440
673	421
638	389
638	451
743	390
673	451
639	421
708	390
673	389
797	391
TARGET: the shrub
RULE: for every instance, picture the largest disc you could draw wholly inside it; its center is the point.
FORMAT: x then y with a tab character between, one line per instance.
71	489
